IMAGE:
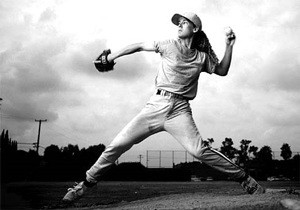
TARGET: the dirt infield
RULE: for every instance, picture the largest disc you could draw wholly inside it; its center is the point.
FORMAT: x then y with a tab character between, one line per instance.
151	195
195	201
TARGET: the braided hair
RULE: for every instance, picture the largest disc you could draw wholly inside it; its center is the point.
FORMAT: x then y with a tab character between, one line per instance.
201	43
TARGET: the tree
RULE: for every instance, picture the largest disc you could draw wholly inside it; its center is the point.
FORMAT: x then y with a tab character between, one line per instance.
94	152
286	152
70	152
253	150
208	142
6	144
297	158
52	155
89	156
265	155
243	153
227	149
9	157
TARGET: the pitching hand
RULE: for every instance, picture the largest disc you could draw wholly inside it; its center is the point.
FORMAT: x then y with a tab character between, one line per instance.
229	36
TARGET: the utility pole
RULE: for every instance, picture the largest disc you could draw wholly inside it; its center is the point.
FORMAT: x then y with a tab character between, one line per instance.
38	139
140	157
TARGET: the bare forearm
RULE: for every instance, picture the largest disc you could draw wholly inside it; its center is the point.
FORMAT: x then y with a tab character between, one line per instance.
125	51
223	67
130	49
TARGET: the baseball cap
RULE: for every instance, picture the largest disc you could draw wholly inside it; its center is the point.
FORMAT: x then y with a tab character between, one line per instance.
190	16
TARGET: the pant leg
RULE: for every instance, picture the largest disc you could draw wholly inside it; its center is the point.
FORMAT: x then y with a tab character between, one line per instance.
183	128
147	122
132	133
221	163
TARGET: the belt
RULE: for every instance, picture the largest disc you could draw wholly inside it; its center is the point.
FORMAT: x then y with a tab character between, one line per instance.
167	93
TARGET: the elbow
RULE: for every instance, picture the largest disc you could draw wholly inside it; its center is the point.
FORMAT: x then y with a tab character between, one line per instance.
139	47
133	48
223	74
221	71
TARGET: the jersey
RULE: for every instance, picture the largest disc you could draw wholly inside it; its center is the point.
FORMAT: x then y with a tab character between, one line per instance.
180	68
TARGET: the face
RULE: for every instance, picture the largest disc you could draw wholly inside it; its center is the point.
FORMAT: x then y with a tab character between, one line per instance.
186	28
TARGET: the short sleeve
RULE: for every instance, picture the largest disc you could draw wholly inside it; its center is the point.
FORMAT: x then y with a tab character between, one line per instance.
161	46
209	65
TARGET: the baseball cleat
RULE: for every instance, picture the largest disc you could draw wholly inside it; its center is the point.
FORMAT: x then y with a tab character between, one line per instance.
252	187
75	193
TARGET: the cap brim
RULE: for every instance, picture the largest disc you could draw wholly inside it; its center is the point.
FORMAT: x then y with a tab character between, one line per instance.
175	18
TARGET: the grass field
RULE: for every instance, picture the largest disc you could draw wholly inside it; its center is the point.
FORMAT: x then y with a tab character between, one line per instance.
147	195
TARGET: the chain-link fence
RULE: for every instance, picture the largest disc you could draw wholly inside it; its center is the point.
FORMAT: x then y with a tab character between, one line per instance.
277	155
166	158
169	158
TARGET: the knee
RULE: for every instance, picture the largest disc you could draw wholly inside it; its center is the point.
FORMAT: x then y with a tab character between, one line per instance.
115	149
198	152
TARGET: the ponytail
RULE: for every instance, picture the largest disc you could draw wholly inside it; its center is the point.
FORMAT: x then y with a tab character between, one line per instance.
202	44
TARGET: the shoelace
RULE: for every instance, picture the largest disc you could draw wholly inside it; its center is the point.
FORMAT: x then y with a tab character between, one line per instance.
76	187
250	189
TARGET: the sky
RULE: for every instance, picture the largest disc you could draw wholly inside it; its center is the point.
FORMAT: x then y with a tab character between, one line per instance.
47	49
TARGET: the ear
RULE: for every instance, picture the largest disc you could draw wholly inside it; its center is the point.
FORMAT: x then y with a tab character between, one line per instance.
195	29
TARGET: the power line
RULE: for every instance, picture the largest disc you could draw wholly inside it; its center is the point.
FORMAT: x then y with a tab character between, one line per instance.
16	117
66	133
26	143
55	128
29	144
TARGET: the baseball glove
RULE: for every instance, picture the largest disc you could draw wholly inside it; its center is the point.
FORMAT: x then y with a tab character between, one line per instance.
102	64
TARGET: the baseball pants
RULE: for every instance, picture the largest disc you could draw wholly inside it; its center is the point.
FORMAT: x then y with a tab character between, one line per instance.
170	114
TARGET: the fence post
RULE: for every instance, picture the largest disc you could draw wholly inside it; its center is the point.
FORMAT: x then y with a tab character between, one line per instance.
173	157
147	159
159	158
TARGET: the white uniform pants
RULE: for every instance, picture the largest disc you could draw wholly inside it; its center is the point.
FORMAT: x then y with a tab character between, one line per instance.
163	113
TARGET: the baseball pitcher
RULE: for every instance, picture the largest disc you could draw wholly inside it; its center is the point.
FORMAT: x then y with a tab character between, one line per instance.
182	61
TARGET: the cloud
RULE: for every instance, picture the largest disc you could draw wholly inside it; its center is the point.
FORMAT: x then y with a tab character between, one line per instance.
30	85
47	15
46	54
